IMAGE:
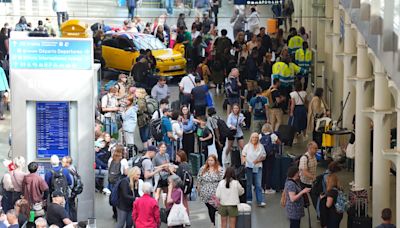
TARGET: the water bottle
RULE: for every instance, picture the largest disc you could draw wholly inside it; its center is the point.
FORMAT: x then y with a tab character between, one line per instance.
31	220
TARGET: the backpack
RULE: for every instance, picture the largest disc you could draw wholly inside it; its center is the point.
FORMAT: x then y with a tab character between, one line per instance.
114	172
187	182
78	185
151	105
139	163
296	161
114	196
156	129
266	141
223	129
259	109
268	95
317	186
59	182
229	89
342	202
143	116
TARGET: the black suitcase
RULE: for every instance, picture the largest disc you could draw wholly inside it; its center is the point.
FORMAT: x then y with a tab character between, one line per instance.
236	158
243	198
286	134
279	172
244	219
361	218
196	160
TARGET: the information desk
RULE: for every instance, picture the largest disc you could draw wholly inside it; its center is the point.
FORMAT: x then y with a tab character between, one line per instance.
52	129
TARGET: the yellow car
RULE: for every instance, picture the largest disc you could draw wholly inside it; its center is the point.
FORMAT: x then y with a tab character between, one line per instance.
120	50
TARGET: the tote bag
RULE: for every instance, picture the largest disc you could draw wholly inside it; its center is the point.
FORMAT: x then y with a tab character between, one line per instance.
178	215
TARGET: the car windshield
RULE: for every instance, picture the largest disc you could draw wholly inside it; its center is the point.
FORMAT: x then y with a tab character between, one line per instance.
151	43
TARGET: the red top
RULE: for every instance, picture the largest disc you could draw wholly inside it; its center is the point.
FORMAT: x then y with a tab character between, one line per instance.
146	213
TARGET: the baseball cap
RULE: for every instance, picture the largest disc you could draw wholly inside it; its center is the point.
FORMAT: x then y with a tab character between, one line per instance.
57	194
152	148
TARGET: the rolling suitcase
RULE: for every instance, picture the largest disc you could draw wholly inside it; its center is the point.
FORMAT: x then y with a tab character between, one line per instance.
279	172
361	218
286	134
236	158
244	218
196	160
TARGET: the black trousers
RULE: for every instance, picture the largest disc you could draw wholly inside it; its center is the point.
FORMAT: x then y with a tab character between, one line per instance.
211	212
188	143
268	165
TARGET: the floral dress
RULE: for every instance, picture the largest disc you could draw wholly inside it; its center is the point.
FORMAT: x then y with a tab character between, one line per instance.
208	183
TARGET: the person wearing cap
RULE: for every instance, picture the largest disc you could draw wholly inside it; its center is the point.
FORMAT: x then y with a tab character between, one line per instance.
160	90
56	167
101	166
166	129
56	214
199	101
121	86
147	165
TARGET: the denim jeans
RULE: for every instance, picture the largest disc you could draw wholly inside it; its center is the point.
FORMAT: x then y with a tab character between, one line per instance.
61	18
169	4
110	125
254	178
124	218
131	12
171	152
102	173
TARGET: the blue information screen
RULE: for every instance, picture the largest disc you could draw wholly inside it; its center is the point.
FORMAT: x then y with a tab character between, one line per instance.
52	129
51	54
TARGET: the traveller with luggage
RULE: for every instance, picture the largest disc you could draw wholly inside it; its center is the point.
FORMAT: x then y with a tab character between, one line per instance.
298	110
316	109
293	197
109	108
205	136
228	192
129	117
235	122
275	102
207	182
308	165
259	108
162	159
271	142
253	155
334	204
188	124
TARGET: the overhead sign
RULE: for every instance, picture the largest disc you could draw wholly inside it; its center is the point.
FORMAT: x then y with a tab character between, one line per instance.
51	54
257	2
52	129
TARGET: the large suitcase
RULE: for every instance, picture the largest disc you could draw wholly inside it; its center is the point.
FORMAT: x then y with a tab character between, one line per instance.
243	198
196	160
286	134
236	158
244	218
360	218
279	172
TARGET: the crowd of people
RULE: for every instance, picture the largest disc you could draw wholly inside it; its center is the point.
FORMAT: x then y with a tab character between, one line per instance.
188	147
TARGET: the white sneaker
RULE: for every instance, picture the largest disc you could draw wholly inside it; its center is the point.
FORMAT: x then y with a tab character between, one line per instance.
249	202
264	191
270	191
106	191
262	204
351	183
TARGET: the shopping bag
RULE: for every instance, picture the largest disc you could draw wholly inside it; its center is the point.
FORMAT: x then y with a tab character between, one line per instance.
178	215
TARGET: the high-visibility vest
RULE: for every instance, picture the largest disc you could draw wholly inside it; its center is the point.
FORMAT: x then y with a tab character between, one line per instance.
282	71
295	43
303	58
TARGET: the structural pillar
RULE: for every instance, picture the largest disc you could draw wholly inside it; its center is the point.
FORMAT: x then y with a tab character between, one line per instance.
363	139
349	71
337	64
381	166
328	50
320	45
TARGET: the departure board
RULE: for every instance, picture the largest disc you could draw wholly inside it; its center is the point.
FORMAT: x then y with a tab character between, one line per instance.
258	2
52	129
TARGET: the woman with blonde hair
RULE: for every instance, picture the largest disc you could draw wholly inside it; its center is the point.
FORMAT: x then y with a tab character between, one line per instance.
129	188
207	182
253	155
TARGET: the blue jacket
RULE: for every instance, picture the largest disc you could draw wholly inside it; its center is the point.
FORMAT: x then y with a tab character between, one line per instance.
48	176
3	81
129	119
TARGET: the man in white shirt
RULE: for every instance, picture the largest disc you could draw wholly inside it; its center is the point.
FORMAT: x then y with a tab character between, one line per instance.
164	103
185	86
110	107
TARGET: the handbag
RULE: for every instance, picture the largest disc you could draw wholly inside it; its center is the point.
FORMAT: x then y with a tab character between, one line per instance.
234	131
214	201
178	215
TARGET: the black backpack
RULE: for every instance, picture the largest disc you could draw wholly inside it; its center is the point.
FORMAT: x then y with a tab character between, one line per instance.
114	172
59	182
317	186
139	163
78	185
156	129
224	130
187	182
